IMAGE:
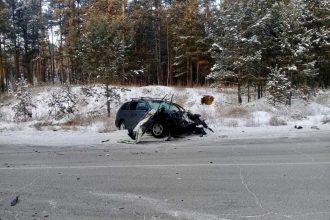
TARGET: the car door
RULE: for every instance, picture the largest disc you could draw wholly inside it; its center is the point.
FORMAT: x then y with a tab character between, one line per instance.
141	108
136	111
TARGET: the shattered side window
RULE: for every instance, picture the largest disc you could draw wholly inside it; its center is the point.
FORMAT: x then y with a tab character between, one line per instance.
154	105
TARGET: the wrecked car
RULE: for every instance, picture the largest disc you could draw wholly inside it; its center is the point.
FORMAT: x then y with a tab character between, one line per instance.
160	117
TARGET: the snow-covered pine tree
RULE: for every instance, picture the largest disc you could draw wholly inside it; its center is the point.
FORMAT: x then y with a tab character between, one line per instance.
107	44
314	50
278	86
63	103
236	48
23	109
285	43
225	47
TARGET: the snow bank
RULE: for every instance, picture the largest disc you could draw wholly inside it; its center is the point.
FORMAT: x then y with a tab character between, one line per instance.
222	113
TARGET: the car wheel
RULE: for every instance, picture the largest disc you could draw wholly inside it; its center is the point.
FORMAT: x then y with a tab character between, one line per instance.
159	130
122	125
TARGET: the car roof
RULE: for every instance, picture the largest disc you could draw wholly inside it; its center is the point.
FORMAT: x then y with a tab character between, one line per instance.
150	99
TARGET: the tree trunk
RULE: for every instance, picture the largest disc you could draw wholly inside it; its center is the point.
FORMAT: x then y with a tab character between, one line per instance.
108	99
239	93
123	8
169	80
249	96
16	49
2	72
158	44
259	91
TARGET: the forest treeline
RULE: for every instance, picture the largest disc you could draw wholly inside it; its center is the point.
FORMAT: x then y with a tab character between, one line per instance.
277	45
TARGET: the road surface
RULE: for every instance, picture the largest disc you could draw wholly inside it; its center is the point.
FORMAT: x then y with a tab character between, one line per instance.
192	178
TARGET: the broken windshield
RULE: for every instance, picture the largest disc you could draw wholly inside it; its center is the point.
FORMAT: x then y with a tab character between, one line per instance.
168	106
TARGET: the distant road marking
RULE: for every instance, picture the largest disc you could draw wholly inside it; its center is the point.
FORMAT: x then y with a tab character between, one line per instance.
166	165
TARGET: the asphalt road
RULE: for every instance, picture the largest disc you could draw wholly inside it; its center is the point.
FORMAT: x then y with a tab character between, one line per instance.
282	178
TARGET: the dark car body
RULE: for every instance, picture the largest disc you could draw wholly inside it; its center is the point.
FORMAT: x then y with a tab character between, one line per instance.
130	113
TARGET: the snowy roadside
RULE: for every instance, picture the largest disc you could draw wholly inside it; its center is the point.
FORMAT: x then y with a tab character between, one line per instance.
89	125
109	140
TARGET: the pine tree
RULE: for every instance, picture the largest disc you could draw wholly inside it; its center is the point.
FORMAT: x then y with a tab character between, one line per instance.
278	86
227	47
4	26
315	49
23	109
63	103
191	42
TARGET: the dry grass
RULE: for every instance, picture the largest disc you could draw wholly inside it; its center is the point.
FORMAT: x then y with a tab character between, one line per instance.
326	119
108	126
40	125
234	112
277	121
297	115
323	99
231	123
6	97
79	120
252	122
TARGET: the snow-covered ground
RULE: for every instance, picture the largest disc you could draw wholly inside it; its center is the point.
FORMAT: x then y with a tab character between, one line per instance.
90	126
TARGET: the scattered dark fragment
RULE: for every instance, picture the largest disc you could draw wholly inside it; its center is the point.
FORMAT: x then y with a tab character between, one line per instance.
46	216
181	200
176	173
15	201
298	127
211	162
78	178
105	141
156	151
121	208
315	127
59	173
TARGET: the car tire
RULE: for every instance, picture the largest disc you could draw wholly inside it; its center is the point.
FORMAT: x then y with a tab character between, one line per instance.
122	125
159	130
